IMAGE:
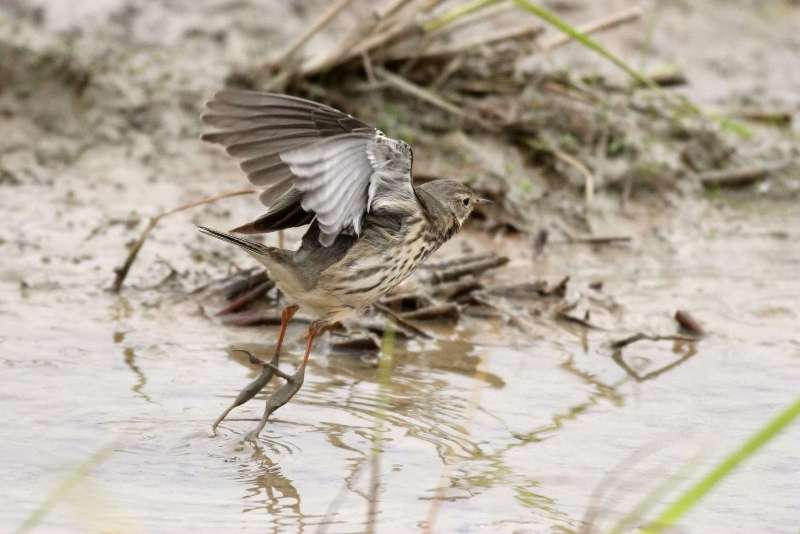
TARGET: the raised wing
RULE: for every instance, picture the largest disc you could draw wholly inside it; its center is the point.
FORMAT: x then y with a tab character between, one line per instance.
313	160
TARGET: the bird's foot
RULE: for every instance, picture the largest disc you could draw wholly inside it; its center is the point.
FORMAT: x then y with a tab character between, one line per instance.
280	397
252	438
268	370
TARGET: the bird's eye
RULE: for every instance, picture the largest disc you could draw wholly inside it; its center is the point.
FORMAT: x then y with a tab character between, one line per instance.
466	202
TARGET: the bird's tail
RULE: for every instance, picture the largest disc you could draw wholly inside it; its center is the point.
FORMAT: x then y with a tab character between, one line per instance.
249	246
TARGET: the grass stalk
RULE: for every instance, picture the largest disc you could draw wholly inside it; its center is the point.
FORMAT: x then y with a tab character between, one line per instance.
560	24
653	497
384	384
456	13
692	496
66	485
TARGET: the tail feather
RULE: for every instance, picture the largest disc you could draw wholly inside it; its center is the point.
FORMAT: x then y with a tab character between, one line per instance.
250	246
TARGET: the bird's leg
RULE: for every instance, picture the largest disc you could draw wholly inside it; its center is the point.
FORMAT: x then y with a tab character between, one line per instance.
286	316
293	382
267	371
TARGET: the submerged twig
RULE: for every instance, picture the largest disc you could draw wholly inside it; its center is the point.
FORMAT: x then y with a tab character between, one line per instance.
620	343
252	319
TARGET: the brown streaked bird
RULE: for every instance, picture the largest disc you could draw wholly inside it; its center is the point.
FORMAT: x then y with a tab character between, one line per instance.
369	227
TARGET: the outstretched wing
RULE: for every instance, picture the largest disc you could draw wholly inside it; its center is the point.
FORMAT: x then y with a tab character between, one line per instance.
313	160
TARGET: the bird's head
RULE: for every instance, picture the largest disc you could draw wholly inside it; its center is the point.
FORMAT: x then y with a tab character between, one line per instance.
457	198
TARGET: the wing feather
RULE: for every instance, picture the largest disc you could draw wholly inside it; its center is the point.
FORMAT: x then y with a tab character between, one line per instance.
269	196
313	160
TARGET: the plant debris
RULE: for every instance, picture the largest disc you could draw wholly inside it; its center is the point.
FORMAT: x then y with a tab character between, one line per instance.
641	336
688	323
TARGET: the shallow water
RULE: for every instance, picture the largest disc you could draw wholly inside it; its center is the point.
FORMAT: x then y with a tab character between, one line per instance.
486	429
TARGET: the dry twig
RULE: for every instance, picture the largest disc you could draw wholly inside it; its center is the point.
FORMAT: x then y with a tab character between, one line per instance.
741	176
122	272
550	42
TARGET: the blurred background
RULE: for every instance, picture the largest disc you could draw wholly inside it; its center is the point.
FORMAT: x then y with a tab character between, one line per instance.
591	353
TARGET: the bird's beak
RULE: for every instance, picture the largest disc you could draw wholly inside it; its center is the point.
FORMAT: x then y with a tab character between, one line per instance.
484	201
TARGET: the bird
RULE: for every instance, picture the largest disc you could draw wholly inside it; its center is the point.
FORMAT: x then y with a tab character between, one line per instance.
368	225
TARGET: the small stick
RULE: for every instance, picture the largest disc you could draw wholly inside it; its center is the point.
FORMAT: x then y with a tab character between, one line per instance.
528	30
406	26
460	260
122	272
669	76
318	24
741	176
473	268
428	96
402	322
437	311
249	297
551	42
620	343
521	290
363	37
582	321
601	240
452	290
246	280
252	319
368	69
577	164
452	67
774	117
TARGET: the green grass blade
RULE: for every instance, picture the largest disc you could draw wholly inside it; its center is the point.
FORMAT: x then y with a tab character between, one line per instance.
560	24
456	13
689	499
653	497
64	487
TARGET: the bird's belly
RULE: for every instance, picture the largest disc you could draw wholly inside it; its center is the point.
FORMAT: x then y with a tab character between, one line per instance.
364	282
317	302
367	273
